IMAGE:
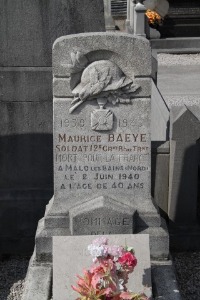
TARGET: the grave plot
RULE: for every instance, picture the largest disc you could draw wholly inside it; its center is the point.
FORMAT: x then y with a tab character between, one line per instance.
102	148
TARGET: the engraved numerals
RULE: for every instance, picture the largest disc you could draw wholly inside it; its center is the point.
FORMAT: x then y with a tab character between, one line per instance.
72	123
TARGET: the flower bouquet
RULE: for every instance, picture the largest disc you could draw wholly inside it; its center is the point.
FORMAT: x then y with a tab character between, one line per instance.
154	19
107	277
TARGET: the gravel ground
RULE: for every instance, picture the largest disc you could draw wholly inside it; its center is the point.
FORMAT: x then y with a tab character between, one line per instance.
12	275
165	59
187	264
179	78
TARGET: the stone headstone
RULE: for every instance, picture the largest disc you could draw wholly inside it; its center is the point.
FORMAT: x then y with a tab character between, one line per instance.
101	149
70	257
102	140
184	158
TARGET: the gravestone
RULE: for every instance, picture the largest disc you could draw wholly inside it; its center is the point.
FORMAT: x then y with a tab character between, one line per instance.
102	141
27	32
71	253
184	158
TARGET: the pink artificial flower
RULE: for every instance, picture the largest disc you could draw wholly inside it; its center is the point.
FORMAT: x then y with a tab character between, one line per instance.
126	296
85	288
128	259
116	251
84	284
104	272
107	278
106	264
100	241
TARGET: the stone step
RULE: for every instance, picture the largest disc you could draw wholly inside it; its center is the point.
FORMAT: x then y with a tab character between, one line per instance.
176	45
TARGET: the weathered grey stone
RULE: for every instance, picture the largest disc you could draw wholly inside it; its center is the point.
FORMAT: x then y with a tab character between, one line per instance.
102	139
88	174
38	283
159	116
164	282
101	172
28	29
131	13
185	89
25	118
27	32
160	175
184	151
128	15
61	87
100	46
161	181
160	147
152	33
70	257
52	222
139	19
43	244
102	216
25	84
109	22
159	241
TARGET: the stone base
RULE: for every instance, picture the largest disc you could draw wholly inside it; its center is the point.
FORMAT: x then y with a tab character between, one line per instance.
143	219
70	253
176	45
159	241
43	241
164	281
38	284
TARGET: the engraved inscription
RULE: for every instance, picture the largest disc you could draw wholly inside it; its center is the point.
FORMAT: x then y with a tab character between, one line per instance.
99	221
107	162
104	225
101	119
